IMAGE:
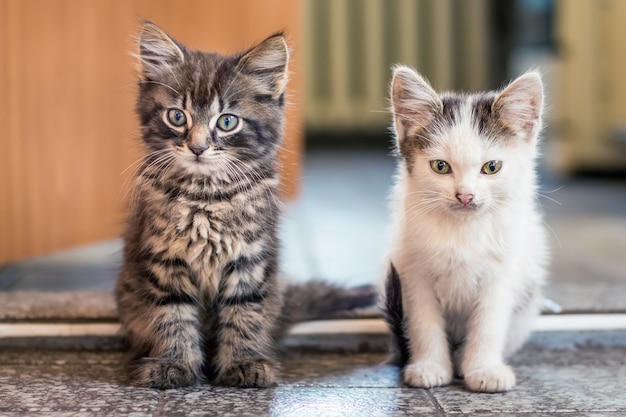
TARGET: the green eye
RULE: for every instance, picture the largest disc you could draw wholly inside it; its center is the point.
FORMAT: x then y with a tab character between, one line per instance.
176	117
227	122
491	167
440	167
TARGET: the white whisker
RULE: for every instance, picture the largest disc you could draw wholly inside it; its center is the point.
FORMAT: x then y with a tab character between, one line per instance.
550	198
558	241
161	84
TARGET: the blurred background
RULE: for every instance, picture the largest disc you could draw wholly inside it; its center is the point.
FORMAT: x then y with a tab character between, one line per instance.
69	137
350	46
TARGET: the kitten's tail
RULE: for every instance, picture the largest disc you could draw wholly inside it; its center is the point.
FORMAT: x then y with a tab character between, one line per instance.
394	315
319	300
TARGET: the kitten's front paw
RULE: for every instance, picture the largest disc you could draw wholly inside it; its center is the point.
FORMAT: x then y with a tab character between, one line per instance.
495	378
162	374
427	374
252	374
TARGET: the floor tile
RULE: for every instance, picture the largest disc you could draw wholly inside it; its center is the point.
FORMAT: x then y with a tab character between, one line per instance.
71	388
327	370
583	377
558	381
298	402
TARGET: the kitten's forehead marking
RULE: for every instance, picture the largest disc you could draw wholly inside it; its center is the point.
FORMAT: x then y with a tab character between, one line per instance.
482	111
188	105
214	112
215	106
474	113
487	122
450	110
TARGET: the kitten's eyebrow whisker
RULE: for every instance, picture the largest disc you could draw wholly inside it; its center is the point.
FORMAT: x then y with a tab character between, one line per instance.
407	118
161	84
227	94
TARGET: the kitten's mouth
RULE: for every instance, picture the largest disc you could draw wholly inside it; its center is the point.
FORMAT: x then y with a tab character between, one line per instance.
198	159
195	160
465	208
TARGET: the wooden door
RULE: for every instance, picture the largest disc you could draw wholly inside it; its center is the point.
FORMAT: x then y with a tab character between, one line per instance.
67	84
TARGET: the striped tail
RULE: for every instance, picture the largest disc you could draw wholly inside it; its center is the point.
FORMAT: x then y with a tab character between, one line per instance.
319	300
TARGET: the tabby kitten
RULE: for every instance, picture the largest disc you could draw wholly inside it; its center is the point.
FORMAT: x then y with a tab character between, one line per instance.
198	296
469	252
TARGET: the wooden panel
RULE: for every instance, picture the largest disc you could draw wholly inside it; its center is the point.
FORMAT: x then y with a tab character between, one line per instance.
616	68
591	104
67	85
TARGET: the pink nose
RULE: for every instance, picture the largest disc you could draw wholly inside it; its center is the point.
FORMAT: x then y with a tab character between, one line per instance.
465	199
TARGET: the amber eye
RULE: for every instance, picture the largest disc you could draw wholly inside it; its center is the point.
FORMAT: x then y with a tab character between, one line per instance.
440	167
227	122
491	167
176	117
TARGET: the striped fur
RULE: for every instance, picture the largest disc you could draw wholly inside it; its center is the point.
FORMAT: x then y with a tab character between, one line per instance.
469	252
198	295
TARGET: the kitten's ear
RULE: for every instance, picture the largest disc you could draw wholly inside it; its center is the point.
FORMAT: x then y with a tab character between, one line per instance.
414	102
520	105
158	52
268	62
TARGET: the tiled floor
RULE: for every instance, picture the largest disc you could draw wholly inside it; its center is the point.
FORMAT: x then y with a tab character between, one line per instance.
567	374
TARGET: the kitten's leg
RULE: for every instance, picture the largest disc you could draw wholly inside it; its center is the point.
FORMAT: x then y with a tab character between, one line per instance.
522	322
162	328
483	363
248	306
429	364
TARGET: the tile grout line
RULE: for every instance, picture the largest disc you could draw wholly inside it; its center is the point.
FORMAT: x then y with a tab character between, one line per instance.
436	403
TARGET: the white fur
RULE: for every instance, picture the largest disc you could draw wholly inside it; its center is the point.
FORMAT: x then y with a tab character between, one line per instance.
466	273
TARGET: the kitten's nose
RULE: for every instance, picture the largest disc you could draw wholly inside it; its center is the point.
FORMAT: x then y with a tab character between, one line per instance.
197	149
465	199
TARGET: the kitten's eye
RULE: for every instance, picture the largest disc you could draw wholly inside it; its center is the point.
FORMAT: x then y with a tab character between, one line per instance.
176	117
227	122
491	167
440	167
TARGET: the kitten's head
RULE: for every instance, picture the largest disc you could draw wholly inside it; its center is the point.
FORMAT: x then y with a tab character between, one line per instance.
208	113
466	153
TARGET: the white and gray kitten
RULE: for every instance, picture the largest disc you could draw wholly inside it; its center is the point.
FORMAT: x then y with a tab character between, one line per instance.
469	253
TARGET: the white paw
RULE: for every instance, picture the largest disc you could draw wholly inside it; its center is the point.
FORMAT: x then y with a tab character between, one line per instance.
496	378
427	374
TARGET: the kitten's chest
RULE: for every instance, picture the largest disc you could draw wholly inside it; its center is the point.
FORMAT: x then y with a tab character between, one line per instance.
205	236
209	233
462	263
